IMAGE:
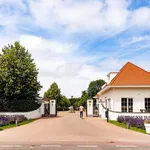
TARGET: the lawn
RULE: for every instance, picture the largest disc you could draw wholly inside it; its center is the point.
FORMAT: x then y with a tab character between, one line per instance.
14	125
125	126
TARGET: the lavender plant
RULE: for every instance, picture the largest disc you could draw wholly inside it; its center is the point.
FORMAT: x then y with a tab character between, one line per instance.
11	119
134	122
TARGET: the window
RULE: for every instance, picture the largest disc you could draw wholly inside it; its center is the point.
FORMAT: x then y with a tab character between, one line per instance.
124	104
147	104
127	104
130	105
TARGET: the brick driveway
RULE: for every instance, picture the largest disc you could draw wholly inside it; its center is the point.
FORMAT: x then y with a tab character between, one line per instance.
69	128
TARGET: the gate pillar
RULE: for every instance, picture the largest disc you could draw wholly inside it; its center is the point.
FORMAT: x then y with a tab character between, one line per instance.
53	110
89	108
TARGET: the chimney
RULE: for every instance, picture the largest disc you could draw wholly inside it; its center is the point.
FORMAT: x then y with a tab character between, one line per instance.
110	76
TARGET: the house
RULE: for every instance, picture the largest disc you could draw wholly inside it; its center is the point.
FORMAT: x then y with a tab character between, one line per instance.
127	93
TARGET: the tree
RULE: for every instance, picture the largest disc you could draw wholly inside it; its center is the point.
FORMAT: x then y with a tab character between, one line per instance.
83	99
64	103
53	92
95	87
18	79
74	102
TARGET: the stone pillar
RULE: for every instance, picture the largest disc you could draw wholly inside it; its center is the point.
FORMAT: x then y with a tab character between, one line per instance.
90	108
53	110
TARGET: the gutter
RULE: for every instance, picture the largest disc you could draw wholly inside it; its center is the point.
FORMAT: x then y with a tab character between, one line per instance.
122	86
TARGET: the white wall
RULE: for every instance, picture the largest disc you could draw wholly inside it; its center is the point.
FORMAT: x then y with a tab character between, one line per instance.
29	115
138	95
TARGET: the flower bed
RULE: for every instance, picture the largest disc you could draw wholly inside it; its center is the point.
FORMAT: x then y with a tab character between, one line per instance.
131	121
6	120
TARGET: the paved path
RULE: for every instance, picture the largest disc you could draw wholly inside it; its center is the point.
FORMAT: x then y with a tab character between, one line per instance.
69	129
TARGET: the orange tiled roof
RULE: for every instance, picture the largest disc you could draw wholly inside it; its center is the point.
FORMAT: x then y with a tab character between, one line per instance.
131	74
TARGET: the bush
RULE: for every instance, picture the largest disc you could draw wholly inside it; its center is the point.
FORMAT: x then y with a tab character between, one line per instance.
120	119
133	122
6	120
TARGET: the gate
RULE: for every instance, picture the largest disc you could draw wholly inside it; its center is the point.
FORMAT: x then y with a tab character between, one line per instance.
46	109
50	108
95	111
92	108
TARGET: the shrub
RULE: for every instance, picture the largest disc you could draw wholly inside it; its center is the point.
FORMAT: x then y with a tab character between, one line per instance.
120	119
133	122
6	120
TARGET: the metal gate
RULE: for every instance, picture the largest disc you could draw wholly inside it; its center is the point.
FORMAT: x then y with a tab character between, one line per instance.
95	111
46	109
92	108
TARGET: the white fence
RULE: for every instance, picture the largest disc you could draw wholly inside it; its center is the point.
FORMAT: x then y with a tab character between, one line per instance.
29	115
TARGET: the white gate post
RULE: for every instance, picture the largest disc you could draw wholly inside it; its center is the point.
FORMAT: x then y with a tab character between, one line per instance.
53	107
89	108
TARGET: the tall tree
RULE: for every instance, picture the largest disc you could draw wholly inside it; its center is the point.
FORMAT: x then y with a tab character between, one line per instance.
74	102
95	87
53	92
64	103
84	98
18	79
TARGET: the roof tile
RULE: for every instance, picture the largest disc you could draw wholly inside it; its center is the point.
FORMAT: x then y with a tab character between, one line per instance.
131	74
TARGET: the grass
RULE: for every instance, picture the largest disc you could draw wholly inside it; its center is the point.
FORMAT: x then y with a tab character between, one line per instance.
125	126
14	125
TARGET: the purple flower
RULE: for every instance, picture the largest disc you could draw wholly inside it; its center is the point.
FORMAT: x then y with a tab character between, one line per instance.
10	119
134	122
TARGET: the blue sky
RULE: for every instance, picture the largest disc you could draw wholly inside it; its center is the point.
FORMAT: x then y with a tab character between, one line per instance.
76	41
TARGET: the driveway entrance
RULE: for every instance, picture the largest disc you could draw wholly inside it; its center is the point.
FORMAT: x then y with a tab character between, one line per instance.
69	128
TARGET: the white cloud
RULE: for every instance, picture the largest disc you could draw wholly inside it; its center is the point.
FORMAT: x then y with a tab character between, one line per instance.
72	75
78	16
134	40
12	12
35	43
141	17
111	64
71	78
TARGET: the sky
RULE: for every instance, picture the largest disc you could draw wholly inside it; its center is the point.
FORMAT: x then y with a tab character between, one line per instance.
74	42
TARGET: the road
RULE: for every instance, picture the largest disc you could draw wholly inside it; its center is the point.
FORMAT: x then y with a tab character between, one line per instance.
68	131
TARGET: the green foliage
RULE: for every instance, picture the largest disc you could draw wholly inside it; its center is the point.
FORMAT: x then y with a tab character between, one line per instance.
18	79
64	103
53	92
74	102
83	99
95	87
